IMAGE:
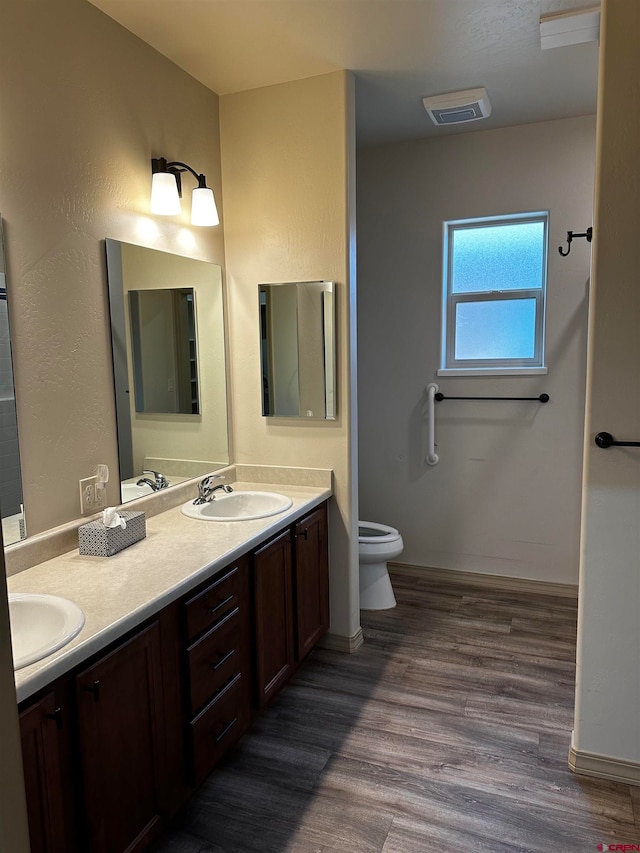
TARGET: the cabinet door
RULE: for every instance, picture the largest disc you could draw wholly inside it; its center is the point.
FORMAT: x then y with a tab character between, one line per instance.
272	568
311	581
120	721
43	779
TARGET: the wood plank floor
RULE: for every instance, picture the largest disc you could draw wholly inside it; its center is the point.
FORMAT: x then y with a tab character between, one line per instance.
448	731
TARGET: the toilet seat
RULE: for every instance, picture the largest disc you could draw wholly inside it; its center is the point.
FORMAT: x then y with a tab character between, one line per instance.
370	533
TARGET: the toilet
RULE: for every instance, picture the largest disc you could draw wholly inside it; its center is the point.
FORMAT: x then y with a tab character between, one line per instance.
377	543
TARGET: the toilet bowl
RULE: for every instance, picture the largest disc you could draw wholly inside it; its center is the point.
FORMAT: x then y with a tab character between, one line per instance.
377	543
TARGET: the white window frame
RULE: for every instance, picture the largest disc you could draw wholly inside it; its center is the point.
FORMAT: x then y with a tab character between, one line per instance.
453	366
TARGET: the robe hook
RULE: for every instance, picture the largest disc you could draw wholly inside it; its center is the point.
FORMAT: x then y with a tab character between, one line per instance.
571	235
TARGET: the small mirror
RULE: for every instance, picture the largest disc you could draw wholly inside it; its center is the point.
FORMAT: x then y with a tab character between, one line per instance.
164	350
167	337
297	347
13	524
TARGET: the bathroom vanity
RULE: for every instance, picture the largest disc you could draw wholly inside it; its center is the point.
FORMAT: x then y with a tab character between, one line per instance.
121	726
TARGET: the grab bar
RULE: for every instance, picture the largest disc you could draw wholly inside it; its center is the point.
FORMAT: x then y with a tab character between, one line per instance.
605	439
542	398
432	457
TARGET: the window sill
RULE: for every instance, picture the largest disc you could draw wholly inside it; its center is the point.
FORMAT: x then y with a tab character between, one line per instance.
492	371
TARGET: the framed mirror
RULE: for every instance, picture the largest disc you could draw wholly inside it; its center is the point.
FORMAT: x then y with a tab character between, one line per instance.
167	336
297	348
13	521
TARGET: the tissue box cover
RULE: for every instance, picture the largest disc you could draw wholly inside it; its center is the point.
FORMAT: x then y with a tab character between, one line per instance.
96	540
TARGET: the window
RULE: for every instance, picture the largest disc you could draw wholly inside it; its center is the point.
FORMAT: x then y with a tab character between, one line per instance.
494	294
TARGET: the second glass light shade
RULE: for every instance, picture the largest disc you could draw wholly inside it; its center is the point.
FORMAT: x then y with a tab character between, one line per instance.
203	207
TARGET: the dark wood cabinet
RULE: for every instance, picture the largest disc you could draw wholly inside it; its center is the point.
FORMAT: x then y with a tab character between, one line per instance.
43	777
113	749
291	601
120	736
311	581
175	789
218	667
273	604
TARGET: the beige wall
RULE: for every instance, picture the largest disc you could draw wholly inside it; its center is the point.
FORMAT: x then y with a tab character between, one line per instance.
608	682
286	164
505	497
84	105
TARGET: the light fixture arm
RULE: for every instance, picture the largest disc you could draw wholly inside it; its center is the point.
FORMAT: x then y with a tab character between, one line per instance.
175	167
178	167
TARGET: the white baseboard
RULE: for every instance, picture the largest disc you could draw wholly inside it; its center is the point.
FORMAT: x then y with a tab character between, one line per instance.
340	643
604	767
481	579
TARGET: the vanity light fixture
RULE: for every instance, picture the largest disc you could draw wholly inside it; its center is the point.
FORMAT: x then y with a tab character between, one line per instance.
166	191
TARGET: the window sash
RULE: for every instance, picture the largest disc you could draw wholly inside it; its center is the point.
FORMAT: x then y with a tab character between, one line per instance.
452	300
495	296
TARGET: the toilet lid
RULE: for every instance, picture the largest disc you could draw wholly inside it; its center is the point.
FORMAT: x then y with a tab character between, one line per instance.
369	531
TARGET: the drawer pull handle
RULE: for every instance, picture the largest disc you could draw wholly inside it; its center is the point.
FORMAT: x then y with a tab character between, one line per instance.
223	660
56	716
220	605
226	729
305	533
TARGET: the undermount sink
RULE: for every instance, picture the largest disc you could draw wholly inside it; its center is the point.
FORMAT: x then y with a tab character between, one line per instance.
40	625
238	506
131	491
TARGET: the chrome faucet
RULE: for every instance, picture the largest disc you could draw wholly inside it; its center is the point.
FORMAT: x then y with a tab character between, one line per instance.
206	489
159	481
145	481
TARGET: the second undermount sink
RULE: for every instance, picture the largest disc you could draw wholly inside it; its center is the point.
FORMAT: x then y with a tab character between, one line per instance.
238	506
40	625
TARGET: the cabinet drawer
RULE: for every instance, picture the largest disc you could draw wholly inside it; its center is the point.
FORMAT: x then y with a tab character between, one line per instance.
219	726
214	659
217	600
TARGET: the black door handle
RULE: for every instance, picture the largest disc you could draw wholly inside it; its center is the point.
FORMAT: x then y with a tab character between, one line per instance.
95	689
605	439
56	716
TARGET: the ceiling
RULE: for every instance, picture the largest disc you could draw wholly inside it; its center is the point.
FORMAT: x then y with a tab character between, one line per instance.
399	51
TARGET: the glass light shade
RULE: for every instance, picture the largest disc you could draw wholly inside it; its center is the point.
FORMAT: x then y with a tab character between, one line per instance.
164	194
203	207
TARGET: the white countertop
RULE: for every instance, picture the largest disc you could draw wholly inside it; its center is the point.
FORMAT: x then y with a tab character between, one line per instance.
118	593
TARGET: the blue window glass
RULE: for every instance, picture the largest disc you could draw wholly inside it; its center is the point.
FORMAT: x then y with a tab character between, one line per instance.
495	329
497	257
495	279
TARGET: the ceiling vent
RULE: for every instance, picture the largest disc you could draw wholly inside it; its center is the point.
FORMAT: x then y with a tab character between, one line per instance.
458	107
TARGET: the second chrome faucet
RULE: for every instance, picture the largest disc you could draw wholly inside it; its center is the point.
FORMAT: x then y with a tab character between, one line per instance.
206	489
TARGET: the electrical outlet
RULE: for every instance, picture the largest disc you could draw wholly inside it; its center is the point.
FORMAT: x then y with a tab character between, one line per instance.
88	491
101	496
